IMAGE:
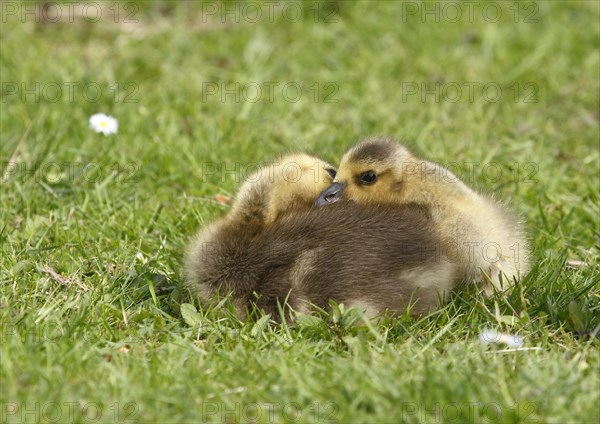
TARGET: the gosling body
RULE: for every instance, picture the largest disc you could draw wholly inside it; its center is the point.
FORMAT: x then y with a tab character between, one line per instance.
379	259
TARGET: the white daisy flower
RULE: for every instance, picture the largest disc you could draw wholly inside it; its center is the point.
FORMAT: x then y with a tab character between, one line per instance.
105	124
493	337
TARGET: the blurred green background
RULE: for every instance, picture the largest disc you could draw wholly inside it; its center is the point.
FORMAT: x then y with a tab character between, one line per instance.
93	227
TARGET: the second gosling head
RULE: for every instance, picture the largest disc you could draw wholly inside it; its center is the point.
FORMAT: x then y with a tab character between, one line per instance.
289	183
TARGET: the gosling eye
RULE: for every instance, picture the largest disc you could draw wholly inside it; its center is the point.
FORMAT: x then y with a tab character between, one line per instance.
368	178
332	172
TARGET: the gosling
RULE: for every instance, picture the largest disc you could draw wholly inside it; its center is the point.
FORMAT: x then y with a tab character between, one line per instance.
484	239
274	248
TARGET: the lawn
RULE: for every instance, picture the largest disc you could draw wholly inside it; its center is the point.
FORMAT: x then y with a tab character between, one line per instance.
95	324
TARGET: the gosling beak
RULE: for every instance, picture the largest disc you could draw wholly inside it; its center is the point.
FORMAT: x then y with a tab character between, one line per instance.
331	194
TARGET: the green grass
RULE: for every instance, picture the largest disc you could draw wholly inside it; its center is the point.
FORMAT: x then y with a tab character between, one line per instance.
103	339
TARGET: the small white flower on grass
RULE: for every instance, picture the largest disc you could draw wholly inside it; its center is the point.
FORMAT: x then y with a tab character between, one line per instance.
105	124
493	337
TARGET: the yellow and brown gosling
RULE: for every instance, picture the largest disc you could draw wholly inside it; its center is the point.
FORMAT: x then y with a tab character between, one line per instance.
478	234
275	247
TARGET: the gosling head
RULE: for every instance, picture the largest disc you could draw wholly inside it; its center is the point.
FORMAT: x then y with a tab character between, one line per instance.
373	171
289	183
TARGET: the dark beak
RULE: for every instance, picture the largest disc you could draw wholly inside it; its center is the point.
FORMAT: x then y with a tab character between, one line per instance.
331	194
